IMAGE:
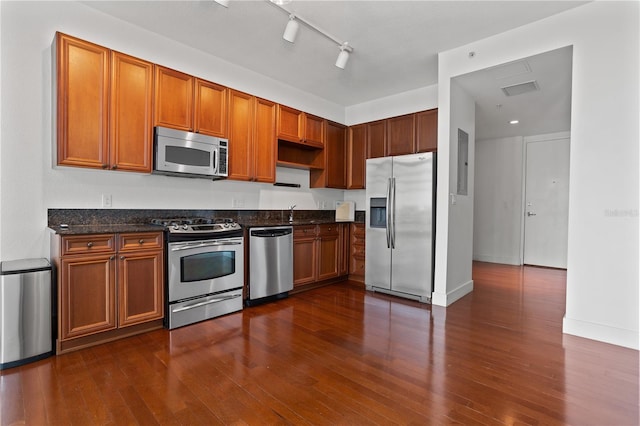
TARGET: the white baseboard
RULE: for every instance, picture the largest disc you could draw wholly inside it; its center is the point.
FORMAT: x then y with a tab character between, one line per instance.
442	299
506	260
601	333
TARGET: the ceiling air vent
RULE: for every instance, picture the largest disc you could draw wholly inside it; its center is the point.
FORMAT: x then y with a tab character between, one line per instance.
520	88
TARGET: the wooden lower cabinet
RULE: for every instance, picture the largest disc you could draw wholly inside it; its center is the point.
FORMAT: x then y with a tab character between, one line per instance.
109	286
87	295
357	252
318	252
140	287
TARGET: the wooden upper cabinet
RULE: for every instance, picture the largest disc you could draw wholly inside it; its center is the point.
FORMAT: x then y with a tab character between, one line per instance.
427	131
334	172
376	139
83	103
290	124
336	156
298	127
210	108
252	144
401	135
174	99
104	107
264	141
131	127
314	130
240	136
357	155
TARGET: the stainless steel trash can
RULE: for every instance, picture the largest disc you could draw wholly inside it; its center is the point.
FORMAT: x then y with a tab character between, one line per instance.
26	308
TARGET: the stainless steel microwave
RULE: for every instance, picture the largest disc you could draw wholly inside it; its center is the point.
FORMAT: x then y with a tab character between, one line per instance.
186	154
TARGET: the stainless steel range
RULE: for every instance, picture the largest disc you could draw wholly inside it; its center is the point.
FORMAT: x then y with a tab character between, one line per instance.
205	269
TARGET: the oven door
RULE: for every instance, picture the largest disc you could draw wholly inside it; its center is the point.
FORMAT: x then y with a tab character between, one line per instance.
198	268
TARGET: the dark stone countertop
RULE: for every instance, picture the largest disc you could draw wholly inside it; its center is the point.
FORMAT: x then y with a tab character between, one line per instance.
116	228
108	221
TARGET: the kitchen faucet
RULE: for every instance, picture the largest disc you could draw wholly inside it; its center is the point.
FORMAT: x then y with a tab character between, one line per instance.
291	213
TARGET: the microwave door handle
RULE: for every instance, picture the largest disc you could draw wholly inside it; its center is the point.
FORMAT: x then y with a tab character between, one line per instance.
216	161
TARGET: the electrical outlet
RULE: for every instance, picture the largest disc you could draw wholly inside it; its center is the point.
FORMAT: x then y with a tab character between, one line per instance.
237	202
107	200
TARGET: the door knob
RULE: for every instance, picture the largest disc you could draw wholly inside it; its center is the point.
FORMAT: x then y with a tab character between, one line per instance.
531	214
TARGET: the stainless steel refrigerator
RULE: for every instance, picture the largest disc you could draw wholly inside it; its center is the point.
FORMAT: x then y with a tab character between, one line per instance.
400	225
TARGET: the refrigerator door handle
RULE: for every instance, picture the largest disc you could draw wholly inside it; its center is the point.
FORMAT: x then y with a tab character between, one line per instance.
393	213
388	208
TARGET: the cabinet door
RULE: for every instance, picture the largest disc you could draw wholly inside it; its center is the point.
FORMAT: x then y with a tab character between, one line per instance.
401	135
328	252
376	139
357	157
240	136
335	151
314	130
87	295
290	124
357	260
427	131
131	118
210	109
304	260
140	287
264	141
174	99
343	256
83	103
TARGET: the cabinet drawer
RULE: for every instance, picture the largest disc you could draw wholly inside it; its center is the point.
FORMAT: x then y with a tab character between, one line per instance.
328	229
357	250
85	244
140	241
357	266
304	231
357	230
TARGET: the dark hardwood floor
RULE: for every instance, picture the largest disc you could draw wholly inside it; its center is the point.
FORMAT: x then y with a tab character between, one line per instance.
339	355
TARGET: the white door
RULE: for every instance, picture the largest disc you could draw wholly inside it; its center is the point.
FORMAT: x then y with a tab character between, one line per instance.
546	203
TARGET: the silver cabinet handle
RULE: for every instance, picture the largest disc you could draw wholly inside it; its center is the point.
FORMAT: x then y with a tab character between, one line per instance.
89	244
531	214
208	302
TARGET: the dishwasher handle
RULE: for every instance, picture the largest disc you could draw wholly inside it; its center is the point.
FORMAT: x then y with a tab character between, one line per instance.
270	233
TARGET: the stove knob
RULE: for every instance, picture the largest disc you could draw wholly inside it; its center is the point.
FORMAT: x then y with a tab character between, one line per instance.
185	226
175	226
226	225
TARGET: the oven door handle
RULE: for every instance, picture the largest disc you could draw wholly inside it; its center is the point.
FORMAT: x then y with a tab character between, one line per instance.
212	244
208	302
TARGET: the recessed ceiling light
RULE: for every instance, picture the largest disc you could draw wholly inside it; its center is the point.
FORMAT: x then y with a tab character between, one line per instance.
514	122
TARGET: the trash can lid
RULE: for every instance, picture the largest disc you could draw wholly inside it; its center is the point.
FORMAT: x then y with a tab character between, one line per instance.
24	265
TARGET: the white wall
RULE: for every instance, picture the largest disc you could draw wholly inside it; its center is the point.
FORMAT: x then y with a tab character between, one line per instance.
454	213
29	183
602	277
393	106
497	211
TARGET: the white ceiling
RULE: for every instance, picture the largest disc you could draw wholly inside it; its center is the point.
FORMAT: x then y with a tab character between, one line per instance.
395	42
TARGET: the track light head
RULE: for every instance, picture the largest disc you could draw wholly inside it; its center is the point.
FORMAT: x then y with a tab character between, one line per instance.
291	30
343	56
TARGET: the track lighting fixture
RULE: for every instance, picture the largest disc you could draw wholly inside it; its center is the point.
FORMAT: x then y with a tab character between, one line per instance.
224	3
343	56
291	30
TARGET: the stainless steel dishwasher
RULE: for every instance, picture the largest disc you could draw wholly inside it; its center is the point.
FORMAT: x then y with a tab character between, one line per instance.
270	263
